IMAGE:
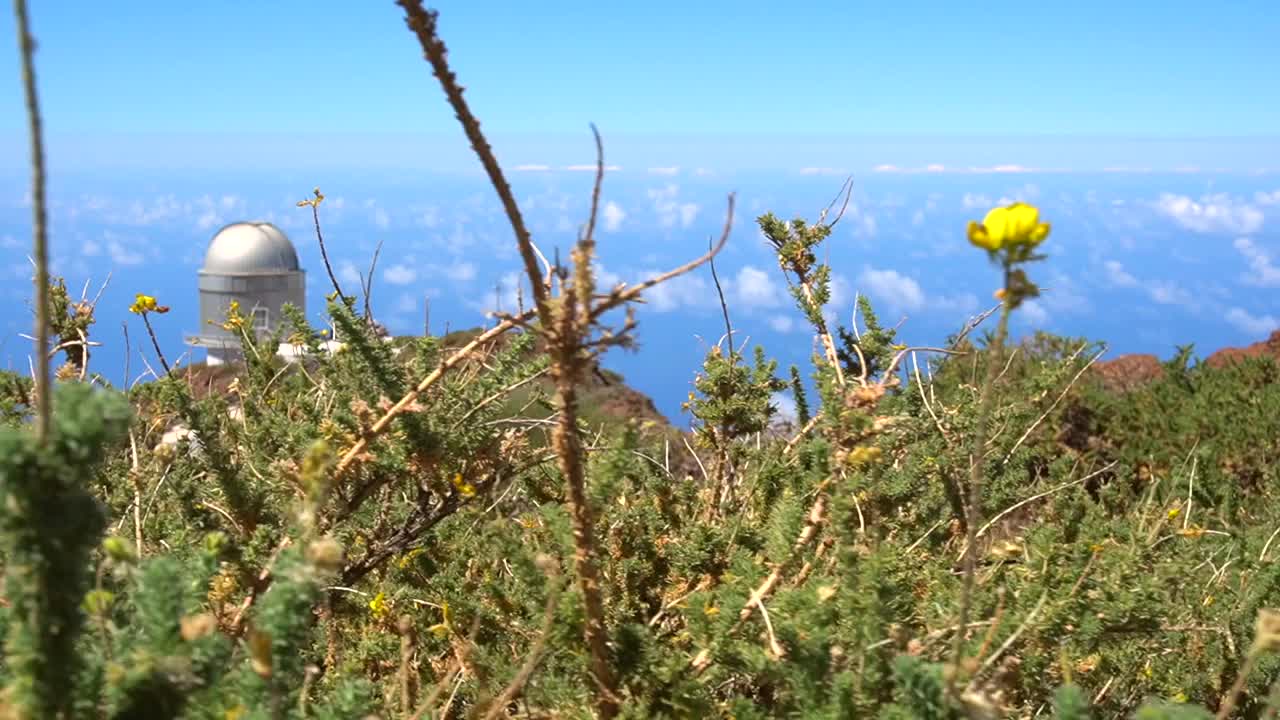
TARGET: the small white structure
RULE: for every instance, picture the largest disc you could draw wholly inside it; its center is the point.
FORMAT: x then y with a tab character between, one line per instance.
253	263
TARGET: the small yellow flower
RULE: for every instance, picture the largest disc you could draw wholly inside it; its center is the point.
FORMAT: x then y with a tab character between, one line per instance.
1016	224
235	320
1174	512
98	602
442	628
143	304
864	455
462	486
378	606
408	558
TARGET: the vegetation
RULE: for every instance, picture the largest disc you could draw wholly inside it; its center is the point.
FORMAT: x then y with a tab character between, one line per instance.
431	528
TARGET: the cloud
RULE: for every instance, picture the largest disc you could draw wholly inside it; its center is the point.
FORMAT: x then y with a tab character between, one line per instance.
1256	325
209	219
1033	313
613	216
1267	198
785	404
120	253
892	288
8	242
407	303
973	201
1210	214
91	248
399	274
381	219
504	296
1262	272
935	168
821	171
591	168
1117	276
429	217
782	323
756	288
1002	169
1167	293
670	210
886	169
682	291
461	271
348	273
664	170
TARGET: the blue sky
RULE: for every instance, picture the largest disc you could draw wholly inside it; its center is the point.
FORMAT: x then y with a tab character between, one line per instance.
1147	133
828	83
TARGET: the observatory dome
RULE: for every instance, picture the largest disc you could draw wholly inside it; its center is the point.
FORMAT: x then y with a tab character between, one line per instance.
248	248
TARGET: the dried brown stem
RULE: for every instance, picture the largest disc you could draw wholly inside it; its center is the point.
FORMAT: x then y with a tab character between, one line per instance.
422	23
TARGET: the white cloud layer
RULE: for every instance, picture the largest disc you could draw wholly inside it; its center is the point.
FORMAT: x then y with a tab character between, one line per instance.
1211	214
1262	272
613	216
399	274
1256	325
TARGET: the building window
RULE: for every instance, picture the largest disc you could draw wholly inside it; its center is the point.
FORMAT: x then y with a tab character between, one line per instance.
260	319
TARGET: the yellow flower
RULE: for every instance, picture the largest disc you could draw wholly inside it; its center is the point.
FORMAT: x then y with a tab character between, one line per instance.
143	304
408	557
441	629
1173	513
378	606
235	320
462	486
1016	224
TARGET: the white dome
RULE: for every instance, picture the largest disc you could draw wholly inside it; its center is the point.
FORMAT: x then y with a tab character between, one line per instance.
250	247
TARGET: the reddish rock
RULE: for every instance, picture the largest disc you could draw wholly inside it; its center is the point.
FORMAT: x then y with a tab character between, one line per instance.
1226	356
1127	372
1131	371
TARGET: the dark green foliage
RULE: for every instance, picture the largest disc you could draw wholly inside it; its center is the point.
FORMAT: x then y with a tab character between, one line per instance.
49	523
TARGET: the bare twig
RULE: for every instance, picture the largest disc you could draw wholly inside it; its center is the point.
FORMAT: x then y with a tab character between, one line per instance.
368	287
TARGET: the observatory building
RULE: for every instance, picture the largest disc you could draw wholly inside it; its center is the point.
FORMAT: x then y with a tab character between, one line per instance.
255	264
